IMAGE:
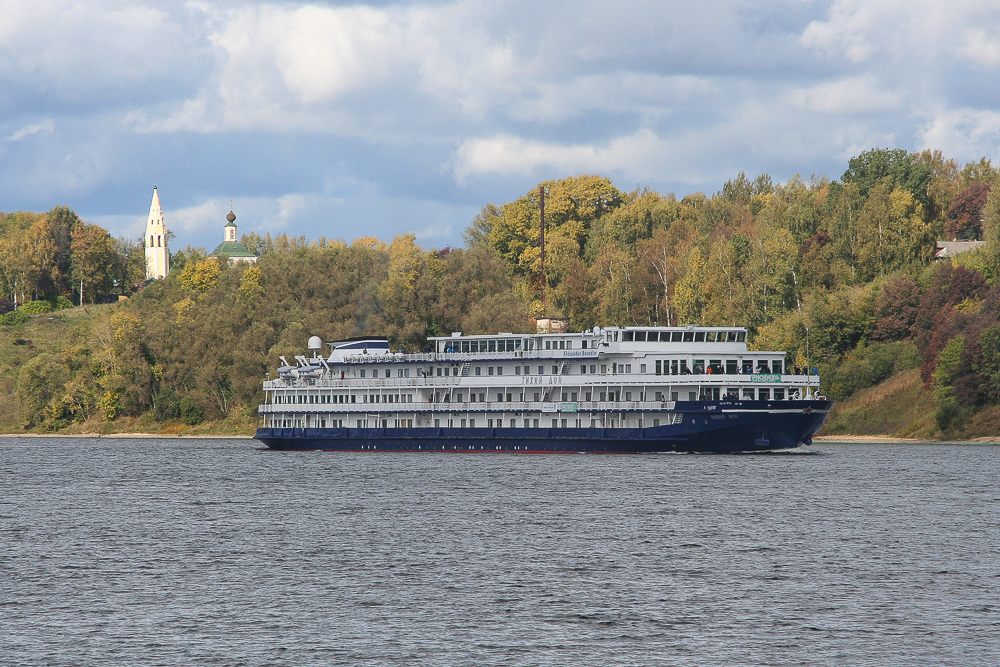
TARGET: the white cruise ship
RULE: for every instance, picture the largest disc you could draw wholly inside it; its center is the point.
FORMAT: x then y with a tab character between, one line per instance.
613	389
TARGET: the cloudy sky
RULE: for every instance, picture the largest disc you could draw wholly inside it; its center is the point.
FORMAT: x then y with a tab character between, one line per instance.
347	119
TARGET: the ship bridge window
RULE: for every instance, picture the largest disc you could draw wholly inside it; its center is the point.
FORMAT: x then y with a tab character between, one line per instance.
776	367
628	336
699	337
492	346
640	336
465	346
731	336
688	336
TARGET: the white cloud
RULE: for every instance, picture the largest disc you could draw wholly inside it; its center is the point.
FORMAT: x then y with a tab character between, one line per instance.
982	48
964	134
846	96
28	130
906	33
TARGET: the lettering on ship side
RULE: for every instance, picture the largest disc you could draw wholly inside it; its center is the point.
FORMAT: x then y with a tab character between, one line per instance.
540	379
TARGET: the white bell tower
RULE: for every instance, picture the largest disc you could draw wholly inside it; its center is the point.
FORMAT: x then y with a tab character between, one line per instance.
157	253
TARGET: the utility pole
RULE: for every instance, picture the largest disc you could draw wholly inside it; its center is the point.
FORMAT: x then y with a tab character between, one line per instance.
541	208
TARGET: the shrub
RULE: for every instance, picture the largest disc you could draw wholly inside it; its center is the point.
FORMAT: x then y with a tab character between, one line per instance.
192	411
167	405
59	302
36	307
14	317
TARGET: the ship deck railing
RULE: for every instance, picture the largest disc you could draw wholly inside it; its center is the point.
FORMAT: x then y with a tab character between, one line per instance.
492	381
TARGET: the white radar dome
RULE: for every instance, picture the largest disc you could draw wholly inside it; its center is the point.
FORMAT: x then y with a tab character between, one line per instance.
315	343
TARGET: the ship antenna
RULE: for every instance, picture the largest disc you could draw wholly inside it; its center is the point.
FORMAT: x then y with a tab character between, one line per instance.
541	209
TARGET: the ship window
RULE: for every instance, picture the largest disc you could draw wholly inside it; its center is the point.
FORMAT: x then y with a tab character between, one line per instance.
776	367
604	369
688	336
640	336
482	398
604	396
499	398
510	345
731	337
437	423
672	336
779	394
699	337
527	370
587	396
491	370
472	423
731	367
541	370
517	370
565	396
463	423
492	346
537	396
465	346
562	345
658	367
555	370
628	368
499	370
642	368
548	345
627	336
593	369
362	372
517	344
763	394
741	336
583	369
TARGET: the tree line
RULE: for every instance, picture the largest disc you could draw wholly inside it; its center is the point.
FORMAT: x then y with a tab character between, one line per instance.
44	256
848	260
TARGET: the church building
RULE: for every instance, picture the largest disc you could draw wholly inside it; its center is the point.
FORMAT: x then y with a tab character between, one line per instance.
155	240
230	246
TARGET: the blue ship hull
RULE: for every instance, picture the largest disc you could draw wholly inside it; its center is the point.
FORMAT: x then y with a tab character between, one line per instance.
707	426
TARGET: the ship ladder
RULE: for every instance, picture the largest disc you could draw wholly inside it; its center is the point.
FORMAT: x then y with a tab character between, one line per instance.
566	367
465	369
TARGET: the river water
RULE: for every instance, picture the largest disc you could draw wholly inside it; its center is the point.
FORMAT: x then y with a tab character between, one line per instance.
219	552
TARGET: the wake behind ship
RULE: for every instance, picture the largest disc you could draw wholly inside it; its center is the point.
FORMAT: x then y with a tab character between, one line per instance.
616	389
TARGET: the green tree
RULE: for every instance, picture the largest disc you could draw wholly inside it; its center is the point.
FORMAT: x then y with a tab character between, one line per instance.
93	260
